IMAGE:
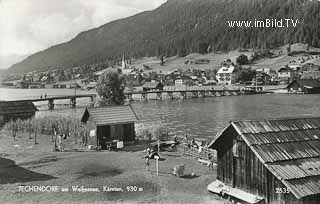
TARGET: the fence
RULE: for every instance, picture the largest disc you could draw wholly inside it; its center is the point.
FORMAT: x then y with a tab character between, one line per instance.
205	154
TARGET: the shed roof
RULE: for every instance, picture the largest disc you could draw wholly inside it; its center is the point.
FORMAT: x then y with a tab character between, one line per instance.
17	107
289	149
110	115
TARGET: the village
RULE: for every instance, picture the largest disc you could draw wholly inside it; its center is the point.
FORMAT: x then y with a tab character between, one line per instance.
105	153
160	102
300	66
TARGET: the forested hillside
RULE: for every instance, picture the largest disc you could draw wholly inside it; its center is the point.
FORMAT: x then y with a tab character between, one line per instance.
180	27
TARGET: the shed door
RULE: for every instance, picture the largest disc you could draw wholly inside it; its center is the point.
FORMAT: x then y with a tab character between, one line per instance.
103	135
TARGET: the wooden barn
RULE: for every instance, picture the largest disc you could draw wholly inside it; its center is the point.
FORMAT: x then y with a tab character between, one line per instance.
13	110
274	161
306	86
152	86
109	123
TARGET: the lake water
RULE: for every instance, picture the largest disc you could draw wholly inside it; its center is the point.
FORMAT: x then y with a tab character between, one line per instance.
201	117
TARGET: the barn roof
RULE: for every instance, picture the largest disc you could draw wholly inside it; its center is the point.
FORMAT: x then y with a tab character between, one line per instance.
289	149
110	115
16	107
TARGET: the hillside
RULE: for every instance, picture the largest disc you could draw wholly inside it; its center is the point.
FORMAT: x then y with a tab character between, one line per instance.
215	59
179	27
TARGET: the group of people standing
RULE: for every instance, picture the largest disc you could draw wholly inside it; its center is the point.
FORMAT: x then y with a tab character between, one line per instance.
43	96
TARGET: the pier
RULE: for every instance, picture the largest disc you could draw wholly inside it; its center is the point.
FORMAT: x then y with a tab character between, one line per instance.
189	93
51	99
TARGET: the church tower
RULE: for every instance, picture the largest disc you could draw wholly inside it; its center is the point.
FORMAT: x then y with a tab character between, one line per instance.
123	62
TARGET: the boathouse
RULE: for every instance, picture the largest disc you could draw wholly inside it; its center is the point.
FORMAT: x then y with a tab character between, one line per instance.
152	86
13	110
269	161
108	124
306	86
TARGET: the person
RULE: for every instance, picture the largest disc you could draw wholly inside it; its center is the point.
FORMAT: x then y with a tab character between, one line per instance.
193	142
45	95
147	158
175	138
185	140
41	96
147	163
59	138
210	165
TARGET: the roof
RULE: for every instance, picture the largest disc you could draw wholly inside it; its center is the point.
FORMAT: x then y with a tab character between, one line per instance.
285	69
312	83
110	115
151	85
288	148
15	107
226	70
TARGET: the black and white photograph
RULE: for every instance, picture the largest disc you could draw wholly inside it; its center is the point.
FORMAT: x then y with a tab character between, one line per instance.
160	101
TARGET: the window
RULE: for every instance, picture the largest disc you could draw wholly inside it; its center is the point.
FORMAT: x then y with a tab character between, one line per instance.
235	149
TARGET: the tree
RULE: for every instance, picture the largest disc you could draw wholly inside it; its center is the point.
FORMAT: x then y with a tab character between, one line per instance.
242	59
110	88
288	49
246	75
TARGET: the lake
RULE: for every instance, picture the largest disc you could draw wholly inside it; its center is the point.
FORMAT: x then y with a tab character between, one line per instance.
200	117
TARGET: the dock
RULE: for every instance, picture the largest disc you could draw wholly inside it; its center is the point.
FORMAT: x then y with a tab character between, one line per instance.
190	93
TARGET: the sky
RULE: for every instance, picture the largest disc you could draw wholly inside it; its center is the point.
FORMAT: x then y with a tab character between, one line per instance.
29	26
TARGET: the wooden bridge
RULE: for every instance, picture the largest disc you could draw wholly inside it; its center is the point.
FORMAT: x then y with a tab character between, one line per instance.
51	99
193	93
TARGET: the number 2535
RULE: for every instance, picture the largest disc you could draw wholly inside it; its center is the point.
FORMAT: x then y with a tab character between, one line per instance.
282	190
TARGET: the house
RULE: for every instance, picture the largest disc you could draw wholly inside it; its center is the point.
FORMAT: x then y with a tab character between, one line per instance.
65	85
285	75
307	86
272	161
226	75
178	81
13	110
183	80
262	78
209	82
310	71
152	86
91	85
310	67
295	67
109	123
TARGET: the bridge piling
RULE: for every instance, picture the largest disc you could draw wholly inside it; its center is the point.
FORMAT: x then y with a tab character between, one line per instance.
159	96
51	104
73	102
144	96
183	95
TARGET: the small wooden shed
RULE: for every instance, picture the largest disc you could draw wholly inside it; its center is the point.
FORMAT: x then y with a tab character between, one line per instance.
277	160
13	110
109	123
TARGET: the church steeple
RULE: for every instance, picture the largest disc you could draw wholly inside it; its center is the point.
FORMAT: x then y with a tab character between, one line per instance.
123	63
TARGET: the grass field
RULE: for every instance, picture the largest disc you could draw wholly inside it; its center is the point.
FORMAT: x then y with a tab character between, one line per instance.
23	163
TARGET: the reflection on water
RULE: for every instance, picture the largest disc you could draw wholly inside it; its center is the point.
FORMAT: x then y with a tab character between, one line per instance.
202	117
205	117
